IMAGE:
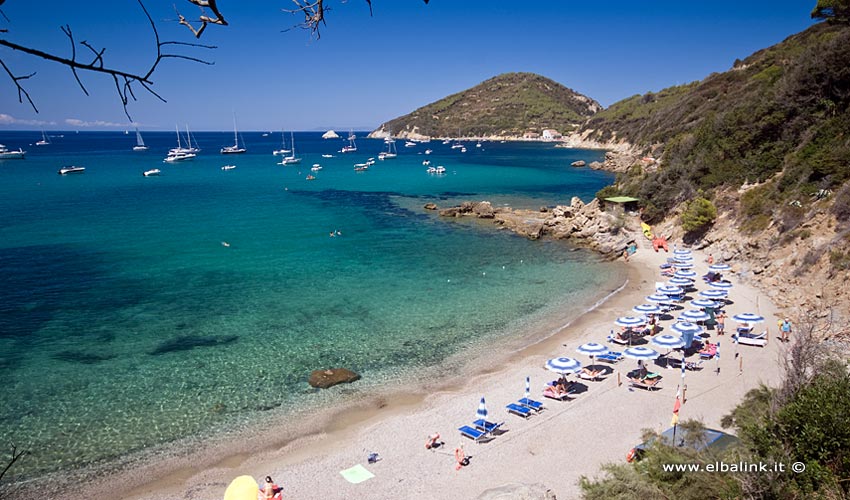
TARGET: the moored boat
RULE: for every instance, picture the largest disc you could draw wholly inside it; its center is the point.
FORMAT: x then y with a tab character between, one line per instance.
6	154
71	169
152	172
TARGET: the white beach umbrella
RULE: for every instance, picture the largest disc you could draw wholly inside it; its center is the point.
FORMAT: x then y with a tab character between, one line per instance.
704	303
685	273
694	315
667	341
640	353
630	321
719	267
647	309
686	327
748	317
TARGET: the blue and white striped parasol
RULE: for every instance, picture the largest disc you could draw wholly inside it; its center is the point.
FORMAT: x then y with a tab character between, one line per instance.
658	298
685	273
527	387
684	258
707	303
684	265
669	290
694	315
482	410
719	267
630	321
592	349
713	293
563	365
686	327
680	282
748	317
667	341
721	285
640	353
647	309
681	251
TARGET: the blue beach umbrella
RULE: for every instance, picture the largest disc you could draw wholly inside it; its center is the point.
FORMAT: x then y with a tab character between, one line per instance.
704	303
719	267
680	282
667	341
630	321
694	315
669	290
713	293
685	273
482	410
592	349
563	365
721	285
748	317
658	298
684	327
640	353
647	309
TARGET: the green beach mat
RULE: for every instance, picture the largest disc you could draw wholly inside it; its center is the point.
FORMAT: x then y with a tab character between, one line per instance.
356	474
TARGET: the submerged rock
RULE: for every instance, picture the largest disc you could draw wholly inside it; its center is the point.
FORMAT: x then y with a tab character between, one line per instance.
579	163
323	379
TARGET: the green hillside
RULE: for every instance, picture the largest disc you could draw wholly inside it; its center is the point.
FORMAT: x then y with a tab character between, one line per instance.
506	105
779	117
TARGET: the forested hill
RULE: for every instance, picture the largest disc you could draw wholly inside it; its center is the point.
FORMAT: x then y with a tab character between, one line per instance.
506	105
778	117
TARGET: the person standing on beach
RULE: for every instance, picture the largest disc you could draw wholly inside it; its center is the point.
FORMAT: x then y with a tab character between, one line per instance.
785	330
721	323
270	489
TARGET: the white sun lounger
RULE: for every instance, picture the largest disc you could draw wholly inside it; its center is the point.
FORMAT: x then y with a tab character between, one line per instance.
759	340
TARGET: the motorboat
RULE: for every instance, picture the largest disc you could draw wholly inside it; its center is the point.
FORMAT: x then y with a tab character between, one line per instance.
228	167
6	154
428	151
426	162
178	156
316	167
359	167
71	169
370	161
327	156
457	145
463	150
311	177
409	144
440	169
152	172
431	170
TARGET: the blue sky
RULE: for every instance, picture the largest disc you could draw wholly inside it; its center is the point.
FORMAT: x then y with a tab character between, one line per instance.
366	70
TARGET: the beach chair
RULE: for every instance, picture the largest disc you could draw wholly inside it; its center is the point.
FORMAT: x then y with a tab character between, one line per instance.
612	357
587	376
471	433
708	352
759	340
531	404
518	410
689	365
487	426
652	382
550	392
620	340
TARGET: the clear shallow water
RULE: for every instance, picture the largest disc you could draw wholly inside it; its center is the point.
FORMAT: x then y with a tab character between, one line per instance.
125	323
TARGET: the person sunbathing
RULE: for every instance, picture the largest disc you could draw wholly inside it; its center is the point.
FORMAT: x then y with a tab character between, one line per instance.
592	373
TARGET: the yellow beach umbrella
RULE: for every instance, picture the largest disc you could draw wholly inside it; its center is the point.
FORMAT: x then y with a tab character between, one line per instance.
242	488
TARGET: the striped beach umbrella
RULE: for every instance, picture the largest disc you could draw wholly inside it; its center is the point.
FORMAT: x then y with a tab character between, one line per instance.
684	258
647	309
704	303
630	321
681	251
527	387
667	341
563	365
482	410
719	267
748	317
694	315
592	349
640	353
721	285
684	265
685	273
669	290
680	282
686	327
713	293
658	298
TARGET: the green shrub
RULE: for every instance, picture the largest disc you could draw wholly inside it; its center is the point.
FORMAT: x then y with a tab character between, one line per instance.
699	214
607	192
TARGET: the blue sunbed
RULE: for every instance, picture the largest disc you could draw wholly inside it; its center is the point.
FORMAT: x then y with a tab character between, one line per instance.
486	426
471	433
532	404
519	410
611	357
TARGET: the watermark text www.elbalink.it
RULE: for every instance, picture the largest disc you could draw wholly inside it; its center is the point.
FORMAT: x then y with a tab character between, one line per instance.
737	467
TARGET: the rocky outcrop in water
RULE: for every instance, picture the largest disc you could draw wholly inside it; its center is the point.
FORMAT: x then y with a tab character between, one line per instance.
323	379
583	224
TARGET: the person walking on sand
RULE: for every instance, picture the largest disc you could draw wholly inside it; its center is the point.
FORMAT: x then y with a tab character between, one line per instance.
785	330
721	323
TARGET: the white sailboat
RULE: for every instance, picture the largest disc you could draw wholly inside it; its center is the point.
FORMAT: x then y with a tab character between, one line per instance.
140	144
291	159
235	149
44	141
180	153
352	146
391	152
282	150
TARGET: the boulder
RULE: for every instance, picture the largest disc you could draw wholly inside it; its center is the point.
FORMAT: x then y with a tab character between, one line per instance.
579	163
483	210
328	378
430	206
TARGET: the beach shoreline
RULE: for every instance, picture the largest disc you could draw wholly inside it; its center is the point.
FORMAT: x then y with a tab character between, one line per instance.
395	424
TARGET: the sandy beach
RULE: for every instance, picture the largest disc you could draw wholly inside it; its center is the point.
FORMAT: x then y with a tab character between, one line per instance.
555	448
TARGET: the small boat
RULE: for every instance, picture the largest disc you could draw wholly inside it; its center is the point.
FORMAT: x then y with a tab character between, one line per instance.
177	156
409	144
447	141
440	169
431	170
428	151
426	162
457	145
352	146
463	150
370	161
359	167
140	144
316	167
236	148
44	141
391	152
291	159
327	156
180	149
478	144
282	150
311	177
152	172
6	154
228	167
71	169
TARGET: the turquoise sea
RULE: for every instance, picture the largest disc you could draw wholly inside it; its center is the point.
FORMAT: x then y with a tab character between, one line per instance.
127	324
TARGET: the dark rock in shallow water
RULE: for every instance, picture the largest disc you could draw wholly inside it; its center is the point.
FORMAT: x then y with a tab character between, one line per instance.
430	206
188	342
328	378
80	357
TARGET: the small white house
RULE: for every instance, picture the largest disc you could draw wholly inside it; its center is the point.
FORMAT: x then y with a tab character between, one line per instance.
551	135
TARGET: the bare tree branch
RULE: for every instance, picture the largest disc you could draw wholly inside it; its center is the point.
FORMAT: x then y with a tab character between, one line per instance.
203	19
22	92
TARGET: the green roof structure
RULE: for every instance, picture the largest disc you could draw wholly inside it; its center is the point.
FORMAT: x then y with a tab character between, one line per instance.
621	199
